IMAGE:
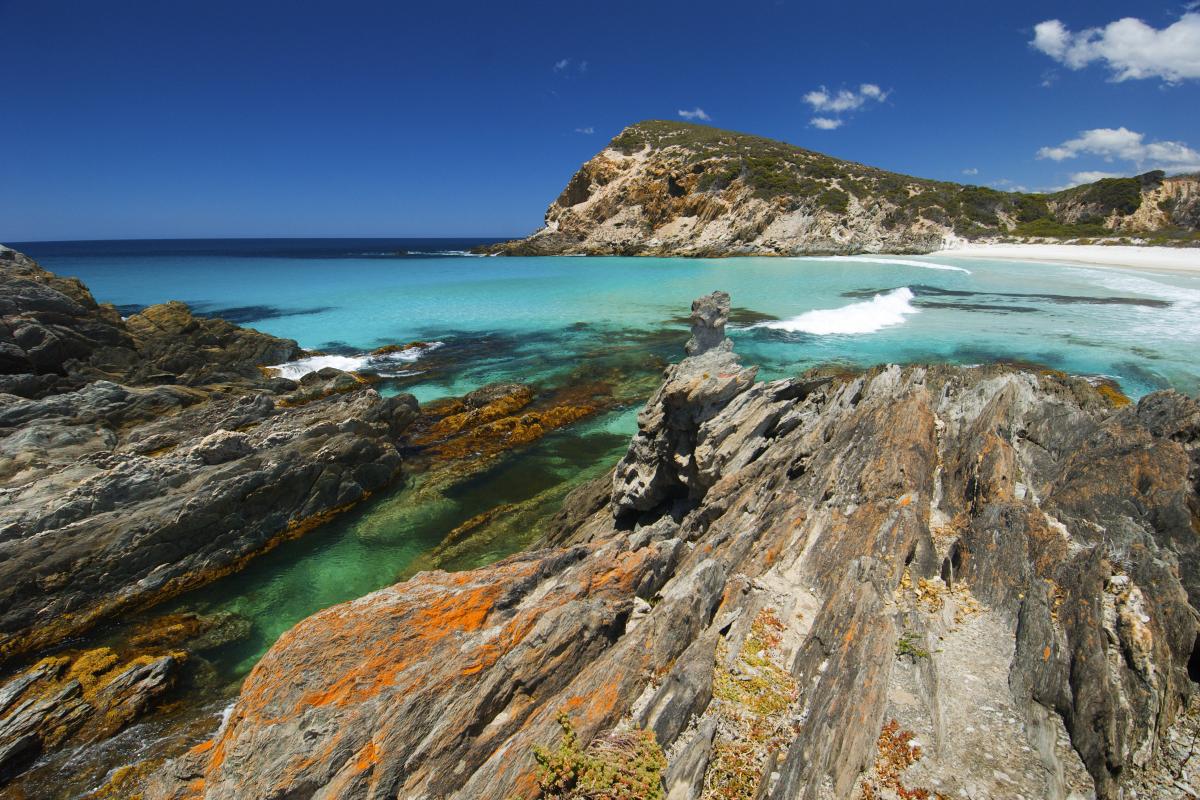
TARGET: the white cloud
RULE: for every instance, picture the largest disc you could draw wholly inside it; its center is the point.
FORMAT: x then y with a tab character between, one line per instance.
1091	176
844	99
1123	144
562	64
589	130
583	65
1131	48
970	171
840	102
695	113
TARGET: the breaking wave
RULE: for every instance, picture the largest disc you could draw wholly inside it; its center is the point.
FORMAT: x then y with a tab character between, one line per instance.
382	364
881	311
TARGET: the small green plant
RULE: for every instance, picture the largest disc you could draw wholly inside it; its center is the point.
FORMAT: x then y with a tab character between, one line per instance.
619	765
907	645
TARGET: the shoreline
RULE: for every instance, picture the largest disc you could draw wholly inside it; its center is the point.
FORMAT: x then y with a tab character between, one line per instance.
1183	260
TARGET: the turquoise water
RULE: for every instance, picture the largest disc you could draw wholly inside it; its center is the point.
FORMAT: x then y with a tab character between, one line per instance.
501	317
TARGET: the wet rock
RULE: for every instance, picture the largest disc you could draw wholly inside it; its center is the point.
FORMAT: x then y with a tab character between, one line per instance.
187	630
76	699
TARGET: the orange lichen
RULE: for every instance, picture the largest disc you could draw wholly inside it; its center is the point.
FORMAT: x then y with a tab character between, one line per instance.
203	747
367	758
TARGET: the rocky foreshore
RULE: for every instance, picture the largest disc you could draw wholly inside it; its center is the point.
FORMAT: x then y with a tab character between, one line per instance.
140	457
913	582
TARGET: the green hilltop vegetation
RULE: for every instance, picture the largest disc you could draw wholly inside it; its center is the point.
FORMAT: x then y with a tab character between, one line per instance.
779	171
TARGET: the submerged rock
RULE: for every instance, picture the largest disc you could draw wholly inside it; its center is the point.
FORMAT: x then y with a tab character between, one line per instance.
911	582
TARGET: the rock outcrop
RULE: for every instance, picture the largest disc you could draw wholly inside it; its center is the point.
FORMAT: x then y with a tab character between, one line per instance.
914	582
139	458
55	337
665	188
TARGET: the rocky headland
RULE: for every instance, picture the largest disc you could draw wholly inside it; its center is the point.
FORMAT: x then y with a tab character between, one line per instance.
913	582
666	188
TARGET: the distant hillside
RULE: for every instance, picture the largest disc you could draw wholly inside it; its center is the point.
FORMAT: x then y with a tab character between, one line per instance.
674	188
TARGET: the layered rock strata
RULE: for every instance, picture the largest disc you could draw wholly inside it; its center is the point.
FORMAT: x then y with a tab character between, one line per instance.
914	582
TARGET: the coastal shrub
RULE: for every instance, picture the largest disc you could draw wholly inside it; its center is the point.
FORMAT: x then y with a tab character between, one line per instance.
1114	194
753	699
980	204
834	200
1053	229
619	765
718	179
1030	208
772	169
770	689
895	751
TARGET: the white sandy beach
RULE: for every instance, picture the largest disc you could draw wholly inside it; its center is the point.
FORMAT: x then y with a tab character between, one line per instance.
1173	259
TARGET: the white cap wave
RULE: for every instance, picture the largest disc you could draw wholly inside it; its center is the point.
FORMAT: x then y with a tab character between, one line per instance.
382	363
881	311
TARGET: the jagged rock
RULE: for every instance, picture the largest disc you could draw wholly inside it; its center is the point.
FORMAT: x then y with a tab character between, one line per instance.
659	464
46	321
52	326
984	561
170	341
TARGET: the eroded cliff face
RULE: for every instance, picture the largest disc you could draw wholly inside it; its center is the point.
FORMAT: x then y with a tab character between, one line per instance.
656	202
664	188
914	582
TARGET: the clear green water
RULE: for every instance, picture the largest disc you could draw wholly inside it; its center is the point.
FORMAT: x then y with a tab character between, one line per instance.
385	541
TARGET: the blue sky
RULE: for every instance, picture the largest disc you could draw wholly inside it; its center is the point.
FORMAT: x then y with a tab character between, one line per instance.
180	118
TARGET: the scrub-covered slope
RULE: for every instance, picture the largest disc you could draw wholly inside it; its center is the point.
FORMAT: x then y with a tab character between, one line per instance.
674	188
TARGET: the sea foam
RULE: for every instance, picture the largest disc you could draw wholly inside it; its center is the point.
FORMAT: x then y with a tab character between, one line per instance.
882	260
867	316
383	364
